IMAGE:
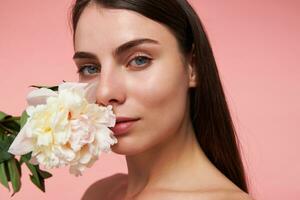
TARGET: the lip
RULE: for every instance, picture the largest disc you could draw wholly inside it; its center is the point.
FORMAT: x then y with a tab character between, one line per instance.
123	124
125	119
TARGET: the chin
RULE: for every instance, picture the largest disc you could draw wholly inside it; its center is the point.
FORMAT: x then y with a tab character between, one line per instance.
127	148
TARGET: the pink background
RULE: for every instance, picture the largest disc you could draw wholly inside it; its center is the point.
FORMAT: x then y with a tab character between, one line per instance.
257	48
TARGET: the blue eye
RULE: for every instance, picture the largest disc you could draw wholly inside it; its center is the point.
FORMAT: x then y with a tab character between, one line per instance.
87	70
140	61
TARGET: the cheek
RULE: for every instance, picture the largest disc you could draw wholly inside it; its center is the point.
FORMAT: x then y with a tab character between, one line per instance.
161	96
158	95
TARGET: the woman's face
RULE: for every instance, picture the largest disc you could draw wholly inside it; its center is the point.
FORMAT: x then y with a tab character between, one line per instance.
145	79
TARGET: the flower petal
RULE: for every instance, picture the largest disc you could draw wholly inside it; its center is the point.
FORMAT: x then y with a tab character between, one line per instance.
66	127
64	153
72	86
40	96
91	91
21	144
85	157
44	139
76	169
105	139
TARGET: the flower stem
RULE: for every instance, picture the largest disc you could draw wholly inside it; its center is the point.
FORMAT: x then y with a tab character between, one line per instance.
7	130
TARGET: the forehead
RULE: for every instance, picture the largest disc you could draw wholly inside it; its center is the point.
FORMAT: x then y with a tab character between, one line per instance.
111	27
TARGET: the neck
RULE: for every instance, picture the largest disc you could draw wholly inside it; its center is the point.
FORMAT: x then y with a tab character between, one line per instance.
162	166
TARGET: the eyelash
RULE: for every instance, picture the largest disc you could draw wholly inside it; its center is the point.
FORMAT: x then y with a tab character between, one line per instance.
81	69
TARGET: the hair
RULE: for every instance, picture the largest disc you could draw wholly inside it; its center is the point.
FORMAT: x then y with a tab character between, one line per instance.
209	110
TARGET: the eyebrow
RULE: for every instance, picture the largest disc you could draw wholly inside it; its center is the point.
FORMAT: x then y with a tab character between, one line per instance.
121	49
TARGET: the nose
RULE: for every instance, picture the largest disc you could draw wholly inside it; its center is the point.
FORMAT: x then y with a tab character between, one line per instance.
110	90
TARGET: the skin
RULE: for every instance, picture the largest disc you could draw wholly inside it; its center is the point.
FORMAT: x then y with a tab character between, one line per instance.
163	157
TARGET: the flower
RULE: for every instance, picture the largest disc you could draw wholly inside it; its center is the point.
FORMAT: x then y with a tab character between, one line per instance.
65	127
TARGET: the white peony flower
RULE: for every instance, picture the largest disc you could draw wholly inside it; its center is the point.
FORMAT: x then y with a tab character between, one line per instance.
65	127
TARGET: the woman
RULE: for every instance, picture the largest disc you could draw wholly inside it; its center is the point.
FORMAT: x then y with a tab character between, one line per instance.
155	66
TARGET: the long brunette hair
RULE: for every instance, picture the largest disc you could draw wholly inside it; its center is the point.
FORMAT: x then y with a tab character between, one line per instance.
209	111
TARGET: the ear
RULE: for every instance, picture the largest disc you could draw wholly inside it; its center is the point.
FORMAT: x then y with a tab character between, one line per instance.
192	71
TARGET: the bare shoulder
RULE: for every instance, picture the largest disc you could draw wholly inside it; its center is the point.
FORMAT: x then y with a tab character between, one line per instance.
103	187
225	195
236	195
196	195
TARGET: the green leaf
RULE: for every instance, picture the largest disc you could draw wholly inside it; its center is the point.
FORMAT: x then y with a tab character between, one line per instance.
14	174
7	172
54	88
4	145
5	156
10	118
39	183
24	118
3	175
36	178
44	174
19	168
2	115
2	132
5	142
25	158
33	170
12	125
5	130
17	120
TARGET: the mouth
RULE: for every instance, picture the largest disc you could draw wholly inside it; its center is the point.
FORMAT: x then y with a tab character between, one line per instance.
125	119
123	125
